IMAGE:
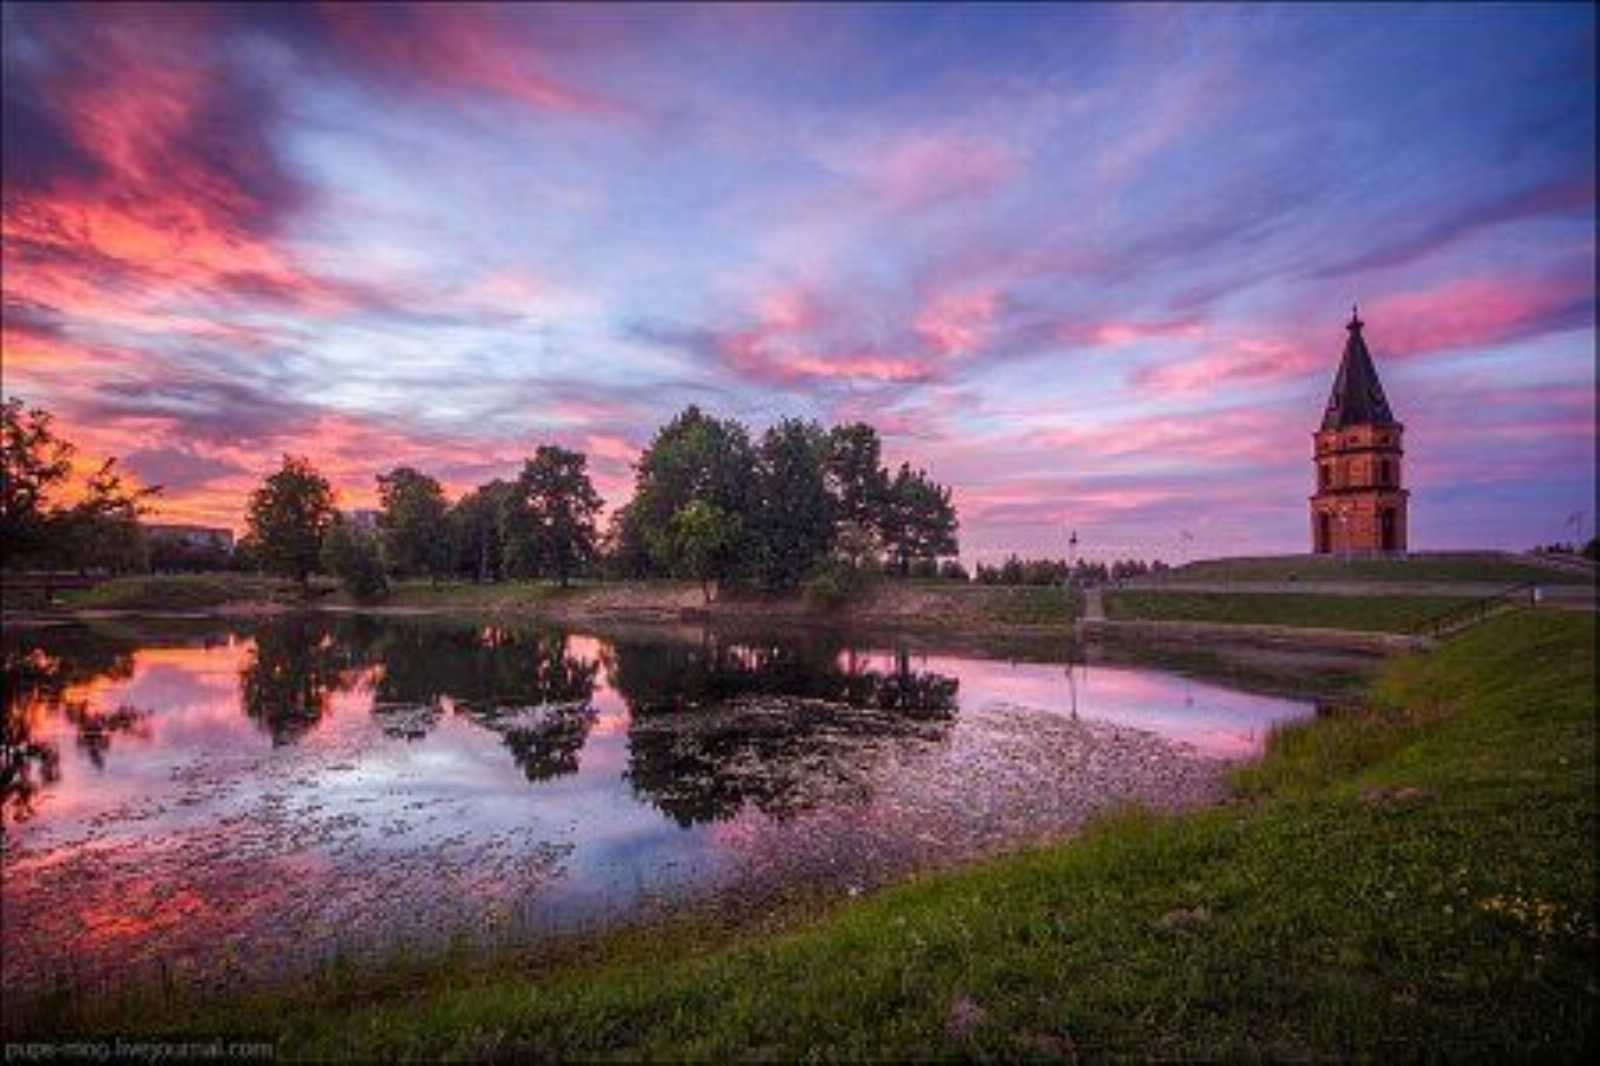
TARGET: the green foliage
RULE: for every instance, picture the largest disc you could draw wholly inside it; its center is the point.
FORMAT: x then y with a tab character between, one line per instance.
800	495
411	523
288	515
354	557
833	583
917	521
693	457
855	474
952	570
702	540
547	522
474	526
794	518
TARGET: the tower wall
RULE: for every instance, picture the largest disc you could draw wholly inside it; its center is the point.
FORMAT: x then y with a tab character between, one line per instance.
1360	502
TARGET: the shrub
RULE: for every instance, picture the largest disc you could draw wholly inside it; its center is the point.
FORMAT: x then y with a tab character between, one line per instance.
352	556
833	583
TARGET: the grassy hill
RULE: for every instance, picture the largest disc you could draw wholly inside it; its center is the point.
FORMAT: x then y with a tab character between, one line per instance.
1474	567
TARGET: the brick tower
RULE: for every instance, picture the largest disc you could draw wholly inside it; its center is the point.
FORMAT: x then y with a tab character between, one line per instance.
1359	505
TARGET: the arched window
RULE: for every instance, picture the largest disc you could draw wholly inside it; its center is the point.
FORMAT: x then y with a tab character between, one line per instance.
1324	476
1383	473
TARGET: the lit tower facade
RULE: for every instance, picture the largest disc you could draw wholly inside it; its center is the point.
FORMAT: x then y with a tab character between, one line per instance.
1359	505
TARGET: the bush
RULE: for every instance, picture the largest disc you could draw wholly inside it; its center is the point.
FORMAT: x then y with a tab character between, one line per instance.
952	570
833	583
925	568
352	556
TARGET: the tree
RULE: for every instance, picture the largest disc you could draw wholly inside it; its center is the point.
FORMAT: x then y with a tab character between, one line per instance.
701	538
36	461
918	519
288	515
411	522
474	524
693	457
548	521
624	552
102	528
794	518
354	557
855	473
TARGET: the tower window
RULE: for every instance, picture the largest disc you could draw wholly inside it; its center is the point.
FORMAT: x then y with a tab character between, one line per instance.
1324	476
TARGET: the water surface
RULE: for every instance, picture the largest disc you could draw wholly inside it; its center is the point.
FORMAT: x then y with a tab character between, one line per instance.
235	799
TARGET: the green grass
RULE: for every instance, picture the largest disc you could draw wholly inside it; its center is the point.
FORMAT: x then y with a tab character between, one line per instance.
466	594
173	592
1381	614
1485	568
1028	604
1412	880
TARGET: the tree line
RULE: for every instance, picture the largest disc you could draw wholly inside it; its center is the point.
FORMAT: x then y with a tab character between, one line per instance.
1017	571
800	506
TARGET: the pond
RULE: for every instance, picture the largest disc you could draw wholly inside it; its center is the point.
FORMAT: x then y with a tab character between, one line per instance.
236	800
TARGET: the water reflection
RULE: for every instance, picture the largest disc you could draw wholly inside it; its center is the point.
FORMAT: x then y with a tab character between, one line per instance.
273	783
782	726
39	669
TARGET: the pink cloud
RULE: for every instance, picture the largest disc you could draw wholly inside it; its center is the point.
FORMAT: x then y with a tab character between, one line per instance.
1119	333
473	47
1253	359
919	168
1476	313
957	322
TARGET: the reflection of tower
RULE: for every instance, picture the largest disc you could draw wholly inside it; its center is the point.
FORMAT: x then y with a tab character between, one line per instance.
1076	664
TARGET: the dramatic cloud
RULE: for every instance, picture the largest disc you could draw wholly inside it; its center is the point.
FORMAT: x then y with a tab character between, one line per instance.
1089	267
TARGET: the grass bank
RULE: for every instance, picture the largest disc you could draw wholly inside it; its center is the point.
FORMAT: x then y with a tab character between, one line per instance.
179	592
1415	879
1471	567
1370	614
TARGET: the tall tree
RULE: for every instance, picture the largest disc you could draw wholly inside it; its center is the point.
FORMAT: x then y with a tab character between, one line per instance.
475	530
411	522
794	515
700	541
548	524
102	528
354	557
919	521
856	475
36	462
288	515
693	457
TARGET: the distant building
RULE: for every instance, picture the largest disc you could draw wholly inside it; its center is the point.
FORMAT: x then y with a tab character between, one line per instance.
363	518
1359	505
211	538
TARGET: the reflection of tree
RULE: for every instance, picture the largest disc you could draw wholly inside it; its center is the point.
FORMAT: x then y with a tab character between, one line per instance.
519	682
38	668
779	725
297	662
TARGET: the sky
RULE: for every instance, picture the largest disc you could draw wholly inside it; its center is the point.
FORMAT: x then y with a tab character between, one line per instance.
1089	266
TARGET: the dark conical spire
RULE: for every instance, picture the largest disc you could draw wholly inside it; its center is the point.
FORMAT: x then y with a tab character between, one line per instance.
1357	398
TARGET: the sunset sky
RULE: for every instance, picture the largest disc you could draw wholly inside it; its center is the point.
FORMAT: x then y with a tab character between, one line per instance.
1089	266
